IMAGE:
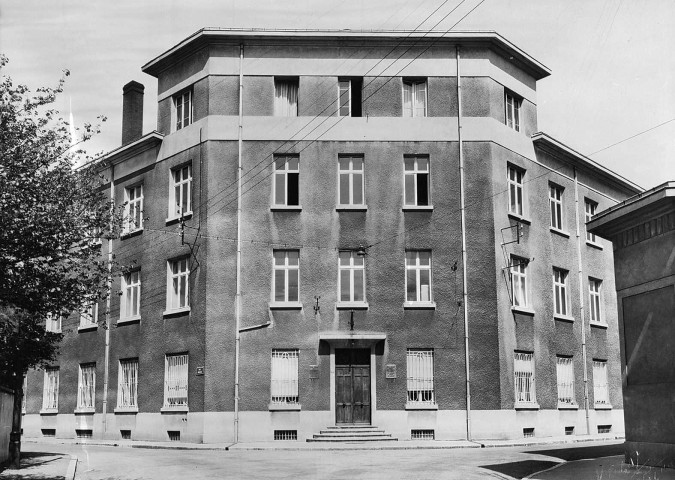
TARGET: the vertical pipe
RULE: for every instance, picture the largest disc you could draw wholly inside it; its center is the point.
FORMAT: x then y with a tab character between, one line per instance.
108	302
581	301
464	267
237	333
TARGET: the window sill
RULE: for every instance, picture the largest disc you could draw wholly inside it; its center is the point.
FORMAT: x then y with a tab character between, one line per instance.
522	310
560	232
594	245
351	305
125	410
564	318
351	208
568	406
172	220
124	321
175	311
87	328
285	305
130	234
81	410
526	406
420	406
284	407
286	208
598	324
519	218
49	411
418	208
419	305
602	406
176	409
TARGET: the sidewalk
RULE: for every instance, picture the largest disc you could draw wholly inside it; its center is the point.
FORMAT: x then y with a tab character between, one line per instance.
605	468
43	466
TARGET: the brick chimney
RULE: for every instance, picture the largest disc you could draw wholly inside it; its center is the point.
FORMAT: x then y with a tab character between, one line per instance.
132	112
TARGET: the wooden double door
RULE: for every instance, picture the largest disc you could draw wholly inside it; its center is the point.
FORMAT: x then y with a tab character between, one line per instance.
352	385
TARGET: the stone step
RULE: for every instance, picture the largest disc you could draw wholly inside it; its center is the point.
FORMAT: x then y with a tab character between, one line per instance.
357	439
333	433
351	427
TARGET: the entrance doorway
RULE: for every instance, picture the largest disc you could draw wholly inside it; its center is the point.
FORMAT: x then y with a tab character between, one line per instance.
352	385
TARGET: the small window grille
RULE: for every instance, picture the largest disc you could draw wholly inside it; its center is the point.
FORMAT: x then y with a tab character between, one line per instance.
83	433
126	434
48	432
604	428
528	432
174	435
569	430
285	434
422	434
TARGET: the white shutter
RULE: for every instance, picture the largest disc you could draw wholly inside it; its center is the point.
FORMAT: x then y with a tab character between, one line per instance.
176	381
284	384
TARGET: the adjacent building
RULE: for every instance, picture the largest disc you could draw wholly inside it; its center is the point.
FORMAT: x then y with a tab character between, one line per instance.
642	232
339	228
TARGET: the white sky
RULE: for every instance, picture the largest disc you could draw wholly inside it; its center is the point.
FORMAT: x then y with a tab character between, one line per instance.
612	60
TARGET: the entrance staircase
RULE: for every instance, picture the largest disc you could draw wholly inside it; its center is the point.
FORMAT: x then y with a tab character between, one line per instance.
352	434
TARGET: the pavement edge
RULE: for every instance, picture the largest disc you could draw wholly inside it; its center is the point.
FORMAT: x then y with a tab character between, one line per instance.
72	467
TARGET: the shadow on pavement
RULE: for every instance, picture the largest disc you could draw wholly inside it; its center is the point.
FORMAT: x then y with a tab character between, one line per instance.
520	469
31	463
581	453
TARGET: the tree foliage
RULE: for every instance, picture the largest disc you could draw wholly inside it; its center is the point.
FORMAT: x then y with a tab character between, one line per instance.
50	215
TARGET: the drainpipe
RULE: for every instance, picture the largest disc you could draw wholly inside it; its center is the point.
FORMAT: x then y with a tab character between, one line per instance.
464	268
581	301
108	302
237	333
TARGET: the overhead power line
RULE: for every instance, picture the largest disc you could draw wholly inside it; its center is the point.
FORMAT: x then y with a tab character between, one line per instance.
632	136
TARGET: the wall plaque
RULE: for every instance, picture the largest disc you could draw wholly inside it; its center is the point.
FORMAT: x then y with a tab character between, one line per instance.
390	371
313	372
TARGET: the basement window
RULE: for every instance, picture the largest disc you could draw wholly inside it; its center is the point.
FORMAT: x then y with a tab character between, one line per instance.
528	432
422	434
569	430
604	429
126	434
174	435
49	432
285	434
83	433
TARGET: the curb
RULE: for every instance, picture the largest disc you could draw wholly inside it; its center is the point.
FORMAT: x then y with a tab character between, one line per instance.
72	467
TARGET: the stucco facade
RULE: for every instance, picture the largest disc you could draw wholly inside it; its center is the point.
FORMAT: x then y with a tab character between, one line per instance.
235	323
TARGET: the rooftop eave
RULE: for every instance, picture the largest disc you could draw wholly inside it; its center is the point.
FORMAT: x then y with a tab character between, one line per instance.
548	143
253	36
653	202
120	154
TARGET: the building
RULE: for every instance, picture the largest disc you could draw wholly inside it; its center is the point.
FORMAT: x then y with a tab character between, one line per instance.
298	229
642	232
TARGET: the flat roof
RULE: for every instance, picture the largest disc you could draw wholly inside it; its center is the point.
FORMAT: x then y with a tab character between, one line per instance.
547	142
264	36
651	203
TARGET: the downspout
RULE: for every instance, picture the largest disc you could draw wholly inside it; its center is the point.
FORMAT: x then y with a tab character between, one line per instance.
464	267
581	301
108	302
237	333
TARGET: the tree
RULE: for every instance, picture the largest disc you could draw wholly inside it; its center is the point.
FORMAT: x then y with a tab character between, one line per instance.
50	214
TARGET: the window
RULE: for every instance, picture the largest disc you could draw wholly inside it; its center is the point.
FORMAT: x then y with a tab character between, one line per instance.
286	181
555	202
183	109
416	172
180	193
89	316
130	306
590	211
512	103
133	210
286	275
594	291
50	395
286	97
127	384
420	366
176	381
349	97
53	323
351	190
352	280
414	98
600	387
284	385
515	183
86	385
418	276
560	291
565	371
518	274
523	368
177	284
